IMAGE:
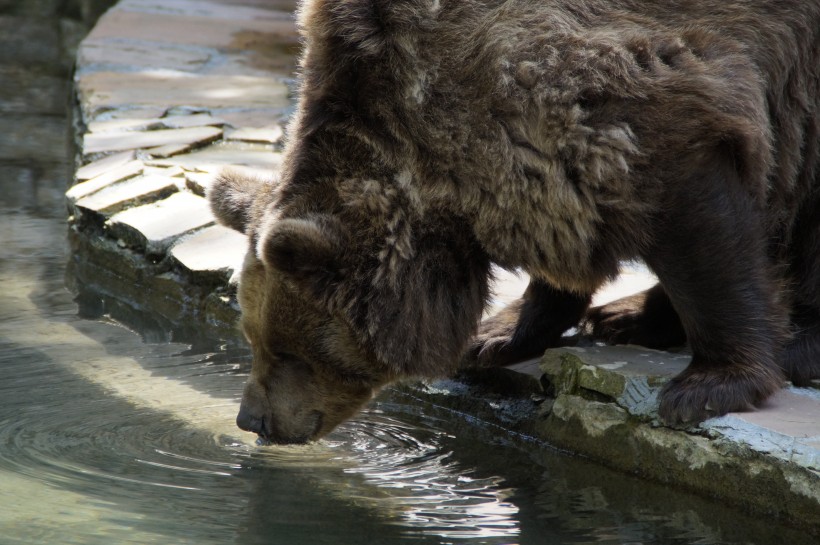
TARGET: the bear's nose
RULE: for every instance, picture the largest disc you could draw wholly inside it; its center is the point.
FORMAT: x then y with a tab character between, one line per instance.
248	422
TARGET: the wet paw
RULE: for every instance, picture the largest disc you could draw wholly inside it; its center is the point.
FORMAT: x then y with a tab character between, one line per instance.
526	327
705	392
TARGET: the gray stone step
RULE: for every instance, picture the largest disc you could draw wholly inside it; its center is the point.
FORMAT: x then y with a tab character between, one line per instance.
265	135
116	174
133	192
218	156
608	397
103	91
104	165
103	142
153	228
169	122
213	254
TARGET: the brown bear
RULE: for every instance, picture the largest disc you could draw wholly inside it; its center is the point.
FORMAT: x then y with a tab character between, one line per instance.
435	138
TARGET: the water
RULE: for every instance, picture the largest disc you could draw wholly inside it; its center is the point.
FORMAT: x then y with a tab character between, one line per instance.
106	438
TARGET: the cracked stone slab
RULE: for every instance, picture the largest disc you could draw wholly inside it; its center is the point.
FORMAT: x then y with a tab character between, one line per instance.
787	427
128	111
192	120
169	172
169	122
247	9
215	252
198	182
257	117
631	376
133	192
101	166
169	150
124	140
216	157
153	228
116	174
266	135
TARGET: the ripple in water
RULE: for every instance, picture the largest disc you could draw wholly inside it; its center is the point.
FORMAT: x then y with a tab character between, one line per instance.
419	478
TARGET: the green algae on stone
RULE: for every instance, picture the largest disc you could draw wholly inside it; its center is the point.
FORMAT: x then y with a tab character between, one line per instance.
629	376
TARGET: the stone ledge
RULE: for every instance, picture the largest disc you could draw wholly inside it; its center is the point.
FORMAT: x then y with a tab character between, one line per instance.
601	402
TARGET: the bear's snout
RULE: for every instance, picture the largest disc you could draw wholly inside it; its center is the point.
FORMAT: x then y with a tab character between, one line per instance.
308	428
250	422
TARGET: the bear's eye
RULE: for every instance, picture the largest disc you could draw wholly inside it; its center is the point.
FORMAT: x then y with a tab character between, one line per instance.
285	356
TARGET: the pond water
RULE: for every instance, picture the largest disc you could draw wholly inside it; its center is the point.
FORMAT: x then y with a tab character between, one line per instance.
106	438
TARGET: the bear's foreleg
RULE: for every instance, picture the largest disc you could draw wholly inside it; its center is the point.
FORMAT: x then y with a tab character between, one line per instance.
801	361
527	326
709	253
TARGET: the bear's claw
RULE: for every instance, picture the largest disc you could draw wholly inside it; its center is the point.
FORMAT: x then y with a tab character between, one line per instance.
700	393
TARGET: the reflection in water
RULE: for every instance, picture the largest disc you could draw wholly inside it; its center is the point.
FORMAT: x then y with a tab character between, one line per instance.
432	489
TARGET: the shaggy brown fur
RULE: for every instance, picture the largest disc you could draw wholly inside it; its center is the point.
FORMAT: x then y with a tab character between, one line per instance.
435	137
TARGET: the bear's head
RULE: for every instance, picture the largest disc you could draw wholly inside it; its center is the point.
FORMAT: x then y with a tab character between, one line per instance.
327	326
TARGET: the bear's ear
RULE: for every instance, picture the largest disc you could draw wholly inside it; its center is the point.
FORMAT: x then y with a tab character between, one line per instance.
308	251
231	196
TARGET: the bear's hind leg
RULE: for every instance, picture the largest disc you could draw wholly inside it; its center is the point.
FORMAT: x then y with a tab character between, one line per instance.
646	318
527	326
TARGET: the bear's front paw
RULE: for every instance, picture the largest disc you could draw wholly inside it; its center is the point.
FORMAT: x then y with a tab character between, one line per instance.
705	392
494	344
618	322
646	318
